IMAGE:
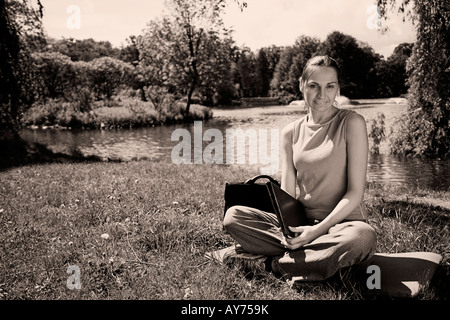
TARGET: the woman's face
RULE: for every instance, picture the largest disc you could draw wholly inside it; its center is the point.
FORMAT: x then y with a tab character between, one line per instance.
321	88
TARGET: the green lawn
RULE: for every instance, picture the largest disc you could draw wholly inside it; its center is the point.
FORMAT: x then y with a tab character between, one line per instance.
160	219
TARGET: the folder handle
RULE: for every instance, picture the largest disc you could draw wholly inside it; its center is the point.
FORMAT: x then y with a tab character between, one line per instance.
263	176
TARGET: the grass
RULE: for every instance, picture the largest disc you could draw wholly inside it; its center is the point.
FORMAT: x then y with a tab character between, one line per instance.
160	220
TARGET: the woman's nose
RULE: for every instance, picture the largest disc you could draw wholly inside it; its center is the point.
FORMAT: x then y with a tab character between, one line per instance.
321	92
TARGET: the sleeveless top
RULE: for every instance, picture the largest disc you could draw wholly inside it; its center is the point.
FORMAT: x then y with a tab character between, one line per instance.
320	158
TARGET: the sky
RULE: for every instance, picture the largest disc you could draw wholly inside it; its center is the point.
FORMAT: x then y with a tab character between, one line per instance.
261	24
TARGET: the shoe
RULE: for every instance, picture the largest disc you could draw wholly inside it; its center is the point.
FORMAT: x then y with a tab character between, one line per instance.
236	256
255	264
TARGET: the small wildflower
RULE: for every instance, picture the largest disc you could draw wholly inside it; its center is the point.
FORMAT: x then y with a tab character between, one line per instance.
105	236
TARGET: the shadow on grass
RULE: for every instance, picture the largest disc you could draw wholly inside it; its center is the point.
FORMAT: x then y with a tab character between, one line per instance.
351	284
418	228
16	153
414	213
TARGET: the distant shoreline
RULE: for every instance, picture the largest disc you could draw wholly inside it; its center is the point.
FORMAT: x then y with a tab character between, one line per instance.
252	111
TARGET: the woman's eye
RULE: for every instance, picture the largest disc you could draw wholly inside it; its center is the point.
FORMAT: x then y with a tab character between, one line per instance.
331	86
312	86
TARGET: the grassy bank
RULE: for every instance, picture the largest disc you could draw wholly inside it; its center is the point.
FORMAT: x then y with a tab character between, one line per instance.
139	230
120	112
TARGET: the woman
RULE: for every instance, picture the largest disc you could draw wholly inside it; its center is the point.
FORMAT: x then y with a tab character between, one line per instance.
324	154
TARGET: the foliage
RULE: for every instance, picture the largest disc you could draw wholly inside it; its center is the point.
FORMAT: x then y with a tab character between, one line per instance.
391	73
55	113
356	61
263	73
287	73
54	74
307	48
130	53
377	132
425	130
280	84
187	50
107	74
83	50
20	24
214	82
254	72
249	80
57	76
120	112
364	74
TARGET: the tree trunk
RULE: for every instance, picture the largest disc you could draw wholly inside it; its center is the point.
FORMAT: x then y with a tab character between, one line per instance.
143	97
9	79
189	98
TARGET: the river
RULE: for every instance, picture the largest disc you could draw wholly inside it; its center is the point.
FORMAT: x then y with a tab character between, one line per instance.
156	143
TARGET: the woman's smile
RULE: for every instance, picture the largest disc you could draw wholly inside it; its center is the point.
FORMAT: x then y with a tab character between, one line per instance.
320	91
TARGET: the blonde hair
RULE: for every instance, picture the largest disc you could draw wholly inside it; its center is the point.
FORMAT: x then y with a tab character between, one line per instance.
319	61
316	62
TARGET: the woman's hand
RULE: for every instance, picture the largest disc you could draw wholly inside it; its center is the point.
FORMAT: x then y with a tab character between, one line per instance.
304	235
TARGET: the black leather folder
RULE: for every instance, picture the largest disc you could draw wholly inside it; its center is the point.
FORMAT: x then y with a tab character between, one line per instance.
289	210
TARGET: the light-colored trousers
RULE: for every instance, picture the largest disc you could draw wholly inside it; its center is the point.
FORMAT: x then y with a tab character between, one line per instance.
345	244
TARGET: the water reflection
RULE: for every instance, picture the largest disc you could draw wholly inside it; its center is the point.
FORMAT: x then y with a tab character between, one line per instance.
136	144
434	174
156	144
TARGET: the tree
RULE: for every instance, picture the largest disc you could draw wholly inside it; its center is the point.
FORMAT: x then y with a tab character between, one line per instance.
215	79
290	66
306	48
249	73
264	73
84	50
357	63
272	55
53	74
130	53
425	129
391	73
20	24
107	74
280	83
187	50
384	80
195	19
369	58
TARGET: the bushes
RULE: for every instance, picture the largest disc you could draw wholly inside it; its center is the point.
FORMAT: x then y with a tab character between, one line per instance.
107	74
377	132
59	77
113	117
84	94
54	73
122	112
56	113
